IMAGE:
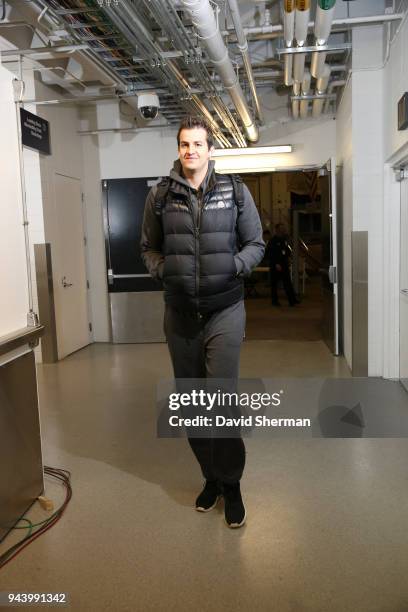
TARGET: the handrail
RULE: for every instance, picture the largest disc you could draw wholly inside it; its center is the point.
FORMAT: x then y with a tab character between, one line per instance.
25	335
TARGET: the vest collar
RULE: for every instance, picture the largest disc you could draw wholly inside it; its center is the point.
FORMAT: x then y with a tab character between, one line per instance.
208	183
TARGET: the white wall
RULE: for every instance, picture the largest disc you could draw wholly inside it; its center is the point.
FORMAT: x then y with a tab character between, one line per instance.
314	143
14	304
395	84
368	171
367	139
33	189
395	150
66	159
98	290
344	158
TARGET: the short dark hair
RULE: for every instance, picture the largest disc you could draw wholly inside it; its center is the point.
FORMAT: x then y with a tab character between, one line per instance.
194	121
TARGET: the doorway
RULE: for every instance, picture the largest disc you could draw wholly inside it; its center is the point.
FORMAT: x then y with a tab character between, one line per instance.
304	201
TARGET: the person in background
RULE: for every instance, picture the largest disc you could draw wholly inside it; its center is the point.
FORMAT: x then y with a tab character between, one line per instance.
278	255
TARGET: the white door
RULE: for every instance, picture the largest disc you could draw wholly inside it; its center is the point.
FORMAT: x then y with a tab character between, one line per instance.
70	287
329	270
404	284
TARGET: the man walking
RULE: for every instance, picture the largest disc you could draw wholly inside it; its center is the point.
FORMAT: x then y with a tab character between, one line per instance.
201	234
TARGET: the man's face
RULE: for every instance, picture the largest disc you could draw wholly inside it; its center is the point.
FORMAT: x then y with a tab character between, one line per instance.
194	153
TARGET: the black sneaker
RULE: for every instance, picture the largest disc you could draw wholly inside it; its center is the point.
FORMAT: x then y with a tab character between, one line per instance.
208	498
235	514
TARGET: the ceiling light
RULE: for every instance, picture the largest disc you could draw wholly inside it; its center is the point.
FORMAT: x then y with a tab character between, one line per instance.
252	151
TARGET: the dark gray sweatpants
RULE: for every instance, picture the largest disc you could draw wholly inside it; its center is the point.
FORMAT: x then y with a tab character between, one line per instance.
209	347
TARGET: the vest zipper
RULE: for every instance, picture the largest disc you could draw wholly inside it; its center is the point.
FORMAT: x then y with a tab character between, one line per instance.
196	254
197	230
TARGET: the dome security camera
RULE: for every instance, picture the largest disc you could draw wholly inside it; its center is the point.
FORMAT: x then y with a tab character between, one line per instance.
148	105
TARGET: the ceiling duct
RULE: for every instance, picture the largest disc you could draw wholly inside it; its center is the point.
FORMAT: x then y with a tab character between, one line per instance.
203	18
72	69
323	23
288	34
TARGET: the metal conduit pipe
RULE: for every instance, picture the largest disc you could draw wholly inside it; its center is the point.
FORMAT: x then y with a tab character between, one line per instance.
295	109
277	30
124	17
304	104
203	18
301	25
165	14
324	18
333	84
243	47
321	87
288	34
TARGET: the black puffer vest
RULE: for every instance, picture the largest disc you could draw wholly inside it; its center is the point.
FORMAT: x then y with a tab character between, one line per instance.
199	271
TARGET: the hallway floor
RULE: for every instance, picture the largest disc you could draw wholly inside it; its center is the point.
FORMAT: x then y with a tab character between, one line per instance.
267	322
327	518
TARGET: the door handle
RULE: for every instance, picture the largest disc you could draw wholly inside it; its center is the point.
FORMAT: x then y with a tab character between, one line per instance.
332	274
64	282
404	291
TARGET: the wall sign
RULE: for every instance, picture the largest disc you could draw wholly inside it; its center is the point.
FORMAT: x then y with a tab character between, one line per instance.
35	132
403	112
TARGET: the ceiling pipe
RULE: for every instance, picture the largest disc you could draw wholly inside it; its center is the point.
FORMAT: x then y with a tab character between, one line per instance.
243	47
340	25
301	25
127	21
323	23
295	109
203	18
321	87
304	104
333	84
288	34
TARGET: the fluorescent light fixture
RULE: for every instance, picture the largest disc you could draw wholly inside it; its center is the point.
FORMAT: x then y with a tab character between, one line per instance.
252	151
